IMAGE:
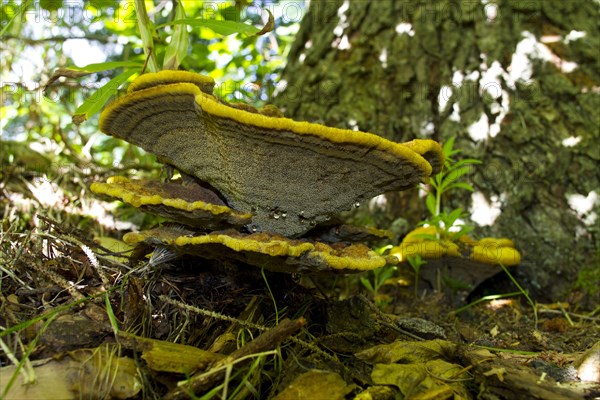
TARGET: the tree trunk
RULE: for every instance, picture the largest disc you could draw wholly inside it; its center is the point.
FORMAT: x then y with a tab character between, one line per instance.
406	69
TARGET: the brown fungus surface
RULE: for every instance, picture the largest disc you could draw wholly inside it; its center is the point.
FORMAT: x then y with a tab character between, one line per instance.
291	175
348	233
271	251
189	204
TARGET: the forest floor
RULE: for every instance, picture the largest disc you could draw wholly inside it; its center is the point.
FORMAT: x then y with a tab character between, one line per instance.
80	320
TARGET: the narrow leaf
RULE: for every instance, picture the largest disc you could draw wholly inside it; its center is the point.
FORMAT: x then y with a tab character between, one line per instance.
111	315
461	164
453	176
224	28
430	203
366	283
461	185
178	47
269	26
96	101
448	145
105	66
465	229
24	6
452	217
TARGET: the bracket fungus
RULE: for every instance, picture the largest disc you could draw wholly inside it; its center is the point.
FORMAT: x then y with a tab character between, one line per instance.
189	204
271	251
466	260
289	175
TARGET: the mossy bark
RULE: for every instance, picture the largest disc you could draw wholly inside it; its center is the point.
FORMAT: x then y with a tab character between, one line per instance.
381	66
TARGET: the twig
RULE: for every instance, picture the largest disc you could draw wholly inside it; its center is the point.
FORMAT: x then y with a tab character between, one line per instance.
97	38
267	341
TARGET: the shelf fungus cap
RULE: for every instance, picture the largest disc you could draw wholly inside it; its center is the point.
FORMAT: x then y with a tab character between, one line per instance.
271	251
466	261
291	175
490	251
205	83
189	204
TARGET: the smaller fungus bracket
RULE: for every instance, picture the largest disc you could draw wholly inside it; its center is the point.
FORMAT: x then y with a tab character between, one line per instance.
466	260
291	175
490	251
271	251
189	203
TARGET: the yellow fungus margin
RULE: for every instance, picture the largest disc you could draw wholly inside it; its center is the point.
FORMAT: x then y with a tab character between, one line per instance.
166	77
491	251
412	151
133	192
280	253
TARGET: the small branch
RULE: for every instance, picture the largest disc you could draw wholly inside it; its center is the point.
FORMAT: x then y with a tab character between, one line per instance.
98	38
267	341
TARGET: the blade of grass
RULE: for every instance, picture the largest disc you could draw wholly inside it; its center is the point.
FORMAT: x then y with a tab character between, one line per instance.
485	298
26	354
55	311
524	292
111	315
262	272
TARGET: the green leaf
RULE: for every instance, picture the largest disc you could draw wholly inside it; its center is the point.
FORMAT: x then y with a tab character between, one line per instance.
451	218
96	101
224	28
461	185
105	66
51	5
430	203
453	176
178	47
384	275
461	232
111	315
448	145
461	163
367	283
23	7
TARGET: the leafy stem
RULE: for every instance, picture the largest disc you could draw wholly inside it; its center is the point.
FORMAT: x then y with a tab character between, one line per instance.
448	179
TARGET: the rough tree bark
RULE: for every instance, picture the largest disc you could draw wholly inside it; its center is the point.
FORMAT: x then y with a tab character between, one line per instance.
382	66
